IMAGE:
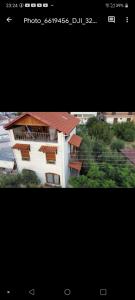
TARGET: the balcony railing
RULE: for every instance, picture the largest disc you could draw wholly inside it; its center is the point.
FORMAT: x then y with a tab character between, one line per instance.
73	157
35	136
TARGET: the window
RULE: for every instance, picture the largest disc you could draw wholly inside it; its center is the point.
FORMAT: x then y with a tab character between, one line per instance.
25	155
51	158
115	120
52	178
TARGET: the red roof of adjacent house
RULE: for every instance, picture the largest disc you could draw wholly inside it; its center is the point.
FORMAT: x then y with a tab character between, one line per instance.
47	149
75	140
76	165
130	154
62	121
21	147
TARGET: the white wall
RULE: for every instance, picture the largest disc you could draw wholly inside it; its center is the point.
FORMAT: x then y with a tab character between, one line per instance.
38	162
6	164
110	120
84	116
67	156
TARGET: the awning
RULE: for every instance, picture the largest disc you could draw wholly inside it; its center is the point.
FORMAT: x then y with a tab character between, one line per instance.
76	165
47	149
21	147
75	140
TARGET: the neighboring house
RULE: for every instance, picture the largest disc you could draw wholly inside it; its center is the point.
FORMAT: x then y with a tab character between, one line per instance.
4	136
116	117
4	119
84	116
46	143
6	158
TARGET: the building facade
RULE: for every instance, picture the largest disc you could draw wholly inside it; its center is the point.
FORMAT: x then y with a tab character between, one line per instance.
84	116
116	117
46	143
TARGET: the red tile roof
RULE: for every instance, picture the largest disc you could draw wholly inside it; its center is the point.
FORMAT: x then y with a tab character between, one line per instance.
47	149
21	147
75	140
76	165
129	154
62	121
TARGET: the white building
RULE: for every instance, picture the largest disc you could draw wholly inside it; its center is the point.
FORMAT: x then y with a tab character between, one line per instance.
46	143
84	116
116	117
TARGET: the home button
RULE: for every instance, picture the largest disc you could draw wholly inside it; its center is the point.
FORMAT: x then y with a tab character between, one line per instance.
67	292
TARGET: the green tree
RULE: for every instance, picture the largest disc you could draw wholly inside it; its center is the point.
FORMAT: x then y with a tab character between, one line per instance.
125	131
101	131
29	178
10	181
26	179
117	145
91	122
79	182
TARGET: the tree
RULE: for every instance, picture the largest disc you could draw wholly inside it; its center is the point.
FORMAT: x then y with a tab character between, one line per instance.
78	182
117	145
101	131
26	179
10	181
106	176
125	131
129	135
29	177
95	172
91	122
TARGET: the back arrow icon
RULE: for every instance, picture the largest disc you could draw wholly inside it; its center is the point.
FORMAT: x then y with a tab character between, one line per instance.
32	292
9	19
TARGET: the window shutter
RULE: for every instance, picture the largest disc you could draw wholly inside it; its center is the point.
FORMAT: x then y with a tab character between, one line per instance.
25	154
51	156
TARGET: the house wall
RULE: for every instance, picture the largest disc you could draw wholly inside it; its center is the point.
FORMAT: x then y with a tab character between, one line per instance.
38	162
121	116
67	156
84	116
122	119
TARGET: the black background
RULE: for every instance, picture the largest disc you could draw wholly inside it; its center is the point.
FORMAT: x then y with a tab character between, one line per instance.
56	239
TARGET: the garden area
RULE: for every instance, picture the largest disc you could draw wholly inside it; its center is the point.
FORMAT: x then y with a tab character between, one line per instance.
104	166
26	179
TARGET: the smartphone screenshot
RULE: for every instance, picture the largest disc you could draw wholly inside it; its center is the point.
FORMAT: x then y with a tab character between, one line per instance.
67	177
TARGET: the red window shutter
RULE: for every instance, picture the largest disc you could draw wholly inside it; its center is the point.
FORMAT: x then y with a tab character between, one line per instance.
51	156
25	154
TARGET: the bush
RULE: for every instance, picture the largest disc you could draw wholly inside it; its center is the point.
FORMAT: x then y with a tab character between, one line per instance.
117	145
107	176
10	181
92	121
101	131
78	182
26	179
29	177
99	148
125	131
129	135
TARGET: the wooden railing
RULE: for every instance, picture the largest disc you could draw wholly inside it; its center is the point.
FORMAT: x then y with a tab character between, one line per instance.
35	136
73	157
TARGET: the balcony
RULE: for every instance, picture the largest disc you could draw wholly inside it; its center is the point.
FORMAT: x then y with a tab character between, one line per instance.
73	157
35	137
